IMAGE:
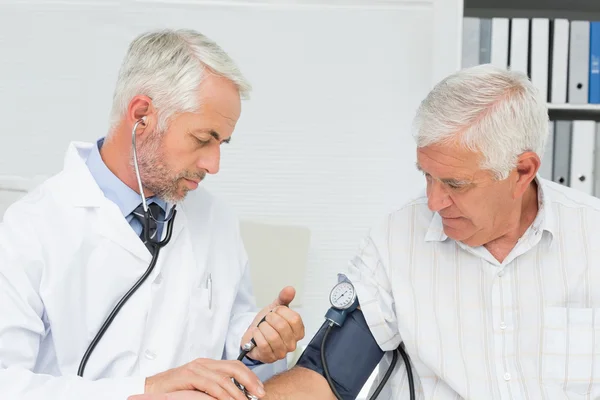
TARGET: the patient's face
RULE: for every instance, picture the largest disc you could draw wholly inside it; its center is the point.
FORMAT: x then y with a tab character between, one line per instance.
174	162
473	205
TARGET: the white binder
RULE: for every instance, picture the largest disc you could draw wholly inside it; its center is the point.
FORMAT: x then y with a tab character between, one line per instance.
540	40
561	130
470	42
560	61
548	156
579	62
485	40
540	37
597	162
582	156
519	44
499	56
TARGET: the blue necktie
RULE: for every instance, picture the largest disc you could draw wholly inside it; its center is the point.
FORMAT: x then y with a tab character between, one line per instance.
156	212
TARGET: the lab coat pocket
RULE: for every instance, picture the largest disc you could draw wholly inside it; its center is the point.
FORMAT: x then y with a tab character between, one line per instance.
200	321
571	349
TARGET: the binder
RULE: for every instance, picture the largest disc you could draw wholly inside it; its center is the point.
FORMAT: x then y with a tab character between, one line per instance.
582	156
519	44
579	56
485	41
597	162
540	38
561	130
545	170
470	42
560	61
562	152
499	54
594	75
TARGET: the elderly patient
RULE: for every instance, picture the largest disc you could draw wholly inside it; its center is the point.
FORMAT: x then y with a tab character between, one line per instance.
490	281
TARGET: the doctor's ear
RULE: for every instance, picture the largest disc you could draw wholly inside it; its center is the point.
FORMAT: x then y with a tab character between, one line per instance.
141	108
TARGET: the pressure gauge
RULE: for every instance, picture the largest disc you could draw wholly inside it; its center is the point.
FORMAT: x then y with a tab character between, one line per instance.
342	295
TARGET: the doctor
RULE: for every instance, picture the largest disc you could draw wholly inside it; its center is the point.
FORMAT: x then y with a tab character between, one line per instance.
72	248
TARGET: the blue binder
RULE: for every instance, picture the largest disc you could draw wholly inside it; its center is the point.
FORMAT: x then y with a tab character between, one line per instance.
594	86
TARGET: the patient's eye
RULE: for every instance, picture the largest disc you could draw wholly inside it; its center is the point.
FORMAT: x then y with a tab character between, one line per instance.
203	142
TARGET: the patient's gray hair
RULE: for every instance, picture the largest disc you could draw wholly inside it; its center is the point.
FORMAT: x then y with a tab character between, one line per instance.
168	66
495	111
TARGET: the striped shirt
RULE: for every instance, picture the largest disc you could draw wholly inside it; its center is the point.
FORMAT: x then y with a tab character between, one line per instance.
476	328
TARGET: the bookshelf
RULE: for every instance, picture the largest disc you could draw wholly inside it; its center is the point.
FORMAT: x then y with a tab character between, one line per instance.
561	32
586	10
570	112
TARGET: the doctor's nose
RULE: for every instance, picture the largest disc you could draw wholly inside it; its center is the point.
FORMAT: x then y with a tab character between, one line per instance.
210	160
437	196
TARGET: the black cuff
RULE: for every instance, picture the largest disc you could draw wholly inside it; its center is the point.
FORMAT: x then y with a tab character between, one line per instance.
351	352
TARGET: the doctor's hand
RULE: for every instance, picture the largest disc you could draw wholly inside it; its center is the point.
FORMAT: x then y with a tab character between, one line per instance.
212	377
279	333
182	395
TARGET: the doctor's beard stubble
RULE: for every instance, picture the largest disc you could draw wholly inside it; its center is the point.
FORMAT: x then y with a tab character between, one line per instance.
157	176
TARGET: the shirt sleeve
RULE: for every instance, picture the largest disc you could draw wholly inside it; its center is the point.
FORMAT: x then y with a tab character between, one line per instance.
369	272
244	308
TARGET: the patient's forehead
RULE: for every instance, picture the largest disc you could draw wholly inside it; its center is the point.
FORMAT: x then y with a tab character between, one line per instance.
442	159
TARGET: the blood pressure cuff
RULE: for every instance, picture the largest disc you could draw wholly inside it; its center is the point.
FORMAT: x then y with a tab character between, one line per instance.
351	353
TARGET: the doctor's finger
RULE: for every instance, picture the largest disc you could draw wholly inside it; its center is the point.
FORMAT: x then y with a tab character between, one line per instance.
274	339
181	395
263	350
294	319
209	382
282	326
242	374
217	385
188	395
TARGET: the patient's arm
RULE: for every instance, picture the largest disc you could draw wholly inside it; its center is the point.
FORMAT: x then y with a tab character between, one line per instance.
298	383
351	353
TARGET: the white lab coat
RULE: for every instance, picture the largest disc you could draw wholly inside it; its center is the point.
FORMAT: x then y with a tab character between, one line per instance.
67	256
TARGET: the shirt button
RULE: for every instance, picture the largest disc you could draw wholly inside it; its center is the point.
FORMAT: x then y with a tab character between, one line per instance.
149	355
507	376
158	279
502	325
501	273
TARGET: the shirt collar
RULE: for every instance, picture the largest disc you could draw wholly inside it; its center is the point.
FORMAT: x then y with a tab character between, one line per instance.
544	221
113	188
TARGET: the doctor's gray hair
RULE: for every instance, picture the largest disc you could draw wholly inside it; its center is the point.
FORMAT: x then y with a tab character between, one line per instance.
486	109
168	66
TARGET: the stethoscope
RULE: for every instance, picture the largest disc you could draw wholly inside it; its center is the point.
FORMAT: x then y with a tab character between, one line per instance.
155	244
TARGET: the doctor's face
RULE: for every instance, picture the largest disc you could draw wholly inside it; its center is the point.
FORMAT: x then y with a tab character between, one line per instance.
474	206
175	161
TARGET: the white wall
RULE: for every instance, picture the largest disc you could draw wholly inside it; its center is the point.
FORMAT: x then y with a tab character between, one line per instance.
324	142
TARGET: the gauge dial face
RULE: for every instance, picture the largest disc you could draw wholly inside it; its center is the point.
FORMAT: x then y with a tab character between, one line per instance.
342	295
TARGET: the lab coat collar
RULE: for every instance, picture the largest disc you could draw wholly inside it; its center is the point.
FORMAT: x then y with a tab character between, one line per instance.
544	220
84	192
